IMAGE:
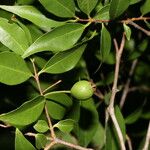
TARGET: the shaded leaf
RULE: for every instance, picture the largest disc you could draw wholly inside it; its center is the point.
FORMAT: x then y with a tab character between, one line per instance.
32	14
61	8
65	125
134	116
25	2
16	41
117	7
120	120
64	61
40	141
87	5
57	104
127	31
21	143
103	13
13	69
134	1
22	115
41	126
105	43
87	126
57	39
145	8
99	138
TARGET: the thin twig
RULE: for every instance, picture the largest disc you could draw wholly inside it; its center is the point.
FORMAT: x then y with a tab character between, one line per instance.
110	108
5	126
129	142
49	146
50	123
59	81
71	145
140	28
126	87
36	76
147	140
141	88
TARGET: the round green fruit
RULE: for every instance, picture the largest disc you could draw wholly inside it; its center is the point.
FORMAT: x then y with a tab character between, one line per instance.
82	90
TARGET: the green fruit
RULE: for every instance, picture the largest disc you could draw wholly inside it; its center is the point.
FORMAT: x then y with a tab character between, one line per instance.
82	90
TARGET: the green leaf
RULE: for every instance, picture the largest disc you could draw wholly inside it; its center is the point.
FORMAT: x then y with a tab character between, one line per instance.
127	31
65	125
25	29
25	2
145	8
41	126
134	1
103	13
16	41
87	5
111	139
133	117
34	31
32	14
99	138
64	61
105	43
40	141
88	122
120	120
58	104
26	114
117	7
57	39
61	8
13	69
21	143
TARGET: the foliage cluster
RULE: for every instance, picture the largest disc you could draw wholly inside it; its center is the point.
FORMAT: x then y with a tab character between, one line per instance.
48	45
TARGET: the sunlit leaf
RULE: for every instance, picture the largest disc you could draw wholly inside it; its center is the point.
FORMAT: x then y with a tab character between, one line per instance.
61	8
65	125
22	115
13	69
32	14
87	5
64	61
57	39
16	41
117	7
41	126
21	143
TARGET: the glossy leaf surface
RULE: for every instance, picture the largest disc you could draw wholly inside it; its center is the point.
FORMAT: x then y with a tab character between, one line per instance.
21	143
61	8
64	61
15	41
13	69
87	5
22	115
32	14
57	39
65	125
117	7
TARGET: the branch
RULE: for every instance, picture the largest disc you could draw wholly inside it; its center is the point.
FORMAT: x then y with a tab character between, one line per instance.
147	140
110	108
126	87
129	142
140	28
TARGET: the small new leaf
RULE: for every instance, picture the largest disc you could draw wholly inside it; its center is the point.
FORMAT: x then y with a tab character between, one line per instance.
41	126
127	31
65	125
